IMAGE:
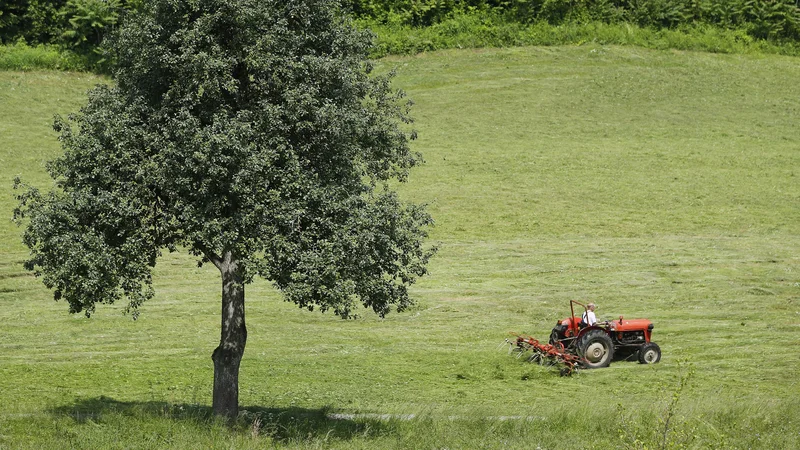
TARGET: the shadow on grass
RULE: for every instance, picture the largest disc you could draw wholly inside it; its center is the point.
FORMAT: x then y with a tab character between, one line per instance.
281	424
626	354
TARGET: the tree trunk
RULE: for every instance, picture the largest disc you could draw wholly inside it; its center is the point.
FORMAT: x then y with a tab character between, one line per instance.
233	338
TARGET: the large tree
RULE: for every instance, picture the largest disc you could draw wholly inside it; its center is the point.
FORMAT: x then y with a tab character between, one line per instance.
251	133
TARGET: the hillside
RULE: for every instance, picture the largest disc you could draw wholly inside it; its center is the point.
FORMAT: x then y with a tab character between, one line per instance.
658	184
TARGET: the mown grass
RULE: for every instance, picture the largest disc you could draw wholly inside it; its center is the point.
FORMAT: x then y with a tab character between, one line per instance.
659	184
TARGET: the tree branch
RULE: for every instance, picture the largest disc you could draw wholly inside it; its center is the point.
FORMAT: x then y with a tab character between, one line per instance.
215	259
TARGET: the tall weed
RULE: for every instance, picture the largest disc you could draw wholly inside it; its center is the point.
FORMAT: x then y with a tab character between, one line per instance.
762	19
21	56
491	30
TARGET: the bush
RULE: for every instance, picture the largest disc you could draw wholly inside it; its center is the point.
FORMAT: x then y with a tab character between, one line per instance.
35	21
77	25
89	22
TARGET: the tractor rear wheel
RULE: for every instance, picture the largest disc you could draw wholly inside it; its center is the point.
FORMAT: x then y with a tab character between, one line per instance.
649	353
596	349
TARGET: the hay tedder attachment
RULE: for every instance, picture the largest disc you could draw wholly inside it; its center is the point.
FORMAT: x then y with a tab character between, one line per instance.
543	354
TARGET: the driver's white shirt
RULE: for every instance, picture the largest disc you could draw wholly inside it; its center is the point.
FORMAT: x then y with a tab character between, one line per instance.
589	317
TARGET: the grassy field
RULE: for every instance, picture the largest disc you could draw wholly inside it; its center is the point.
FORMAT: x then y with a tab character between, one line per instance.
658	184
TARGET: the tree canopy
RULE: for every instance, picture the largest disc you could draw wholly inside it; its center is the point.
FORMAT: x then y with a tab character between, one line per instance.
252	133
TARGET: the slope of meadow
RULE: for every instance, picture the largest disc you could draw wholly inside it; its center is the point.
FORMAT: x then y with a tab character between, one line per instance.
658	184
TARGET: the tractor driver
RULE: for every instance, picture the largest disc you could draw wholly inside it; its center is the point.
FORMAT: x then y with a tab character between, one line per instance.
588	315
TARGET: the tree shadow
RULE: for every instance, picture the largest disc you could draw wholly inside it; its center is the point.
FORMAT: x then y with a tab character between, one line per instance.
280	424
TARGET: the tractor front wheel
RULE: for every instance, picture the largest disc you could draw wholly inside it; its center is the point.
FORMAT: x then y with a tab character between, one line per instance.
649	353
596	349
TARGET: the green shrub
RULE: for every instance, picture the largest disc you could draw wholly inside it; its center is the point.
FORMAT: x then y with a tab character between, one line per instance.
76	25
35	21
89	21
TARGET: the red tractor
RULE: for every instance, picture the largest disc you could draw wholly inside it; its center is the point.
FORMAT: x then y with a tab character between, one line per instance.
597	344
